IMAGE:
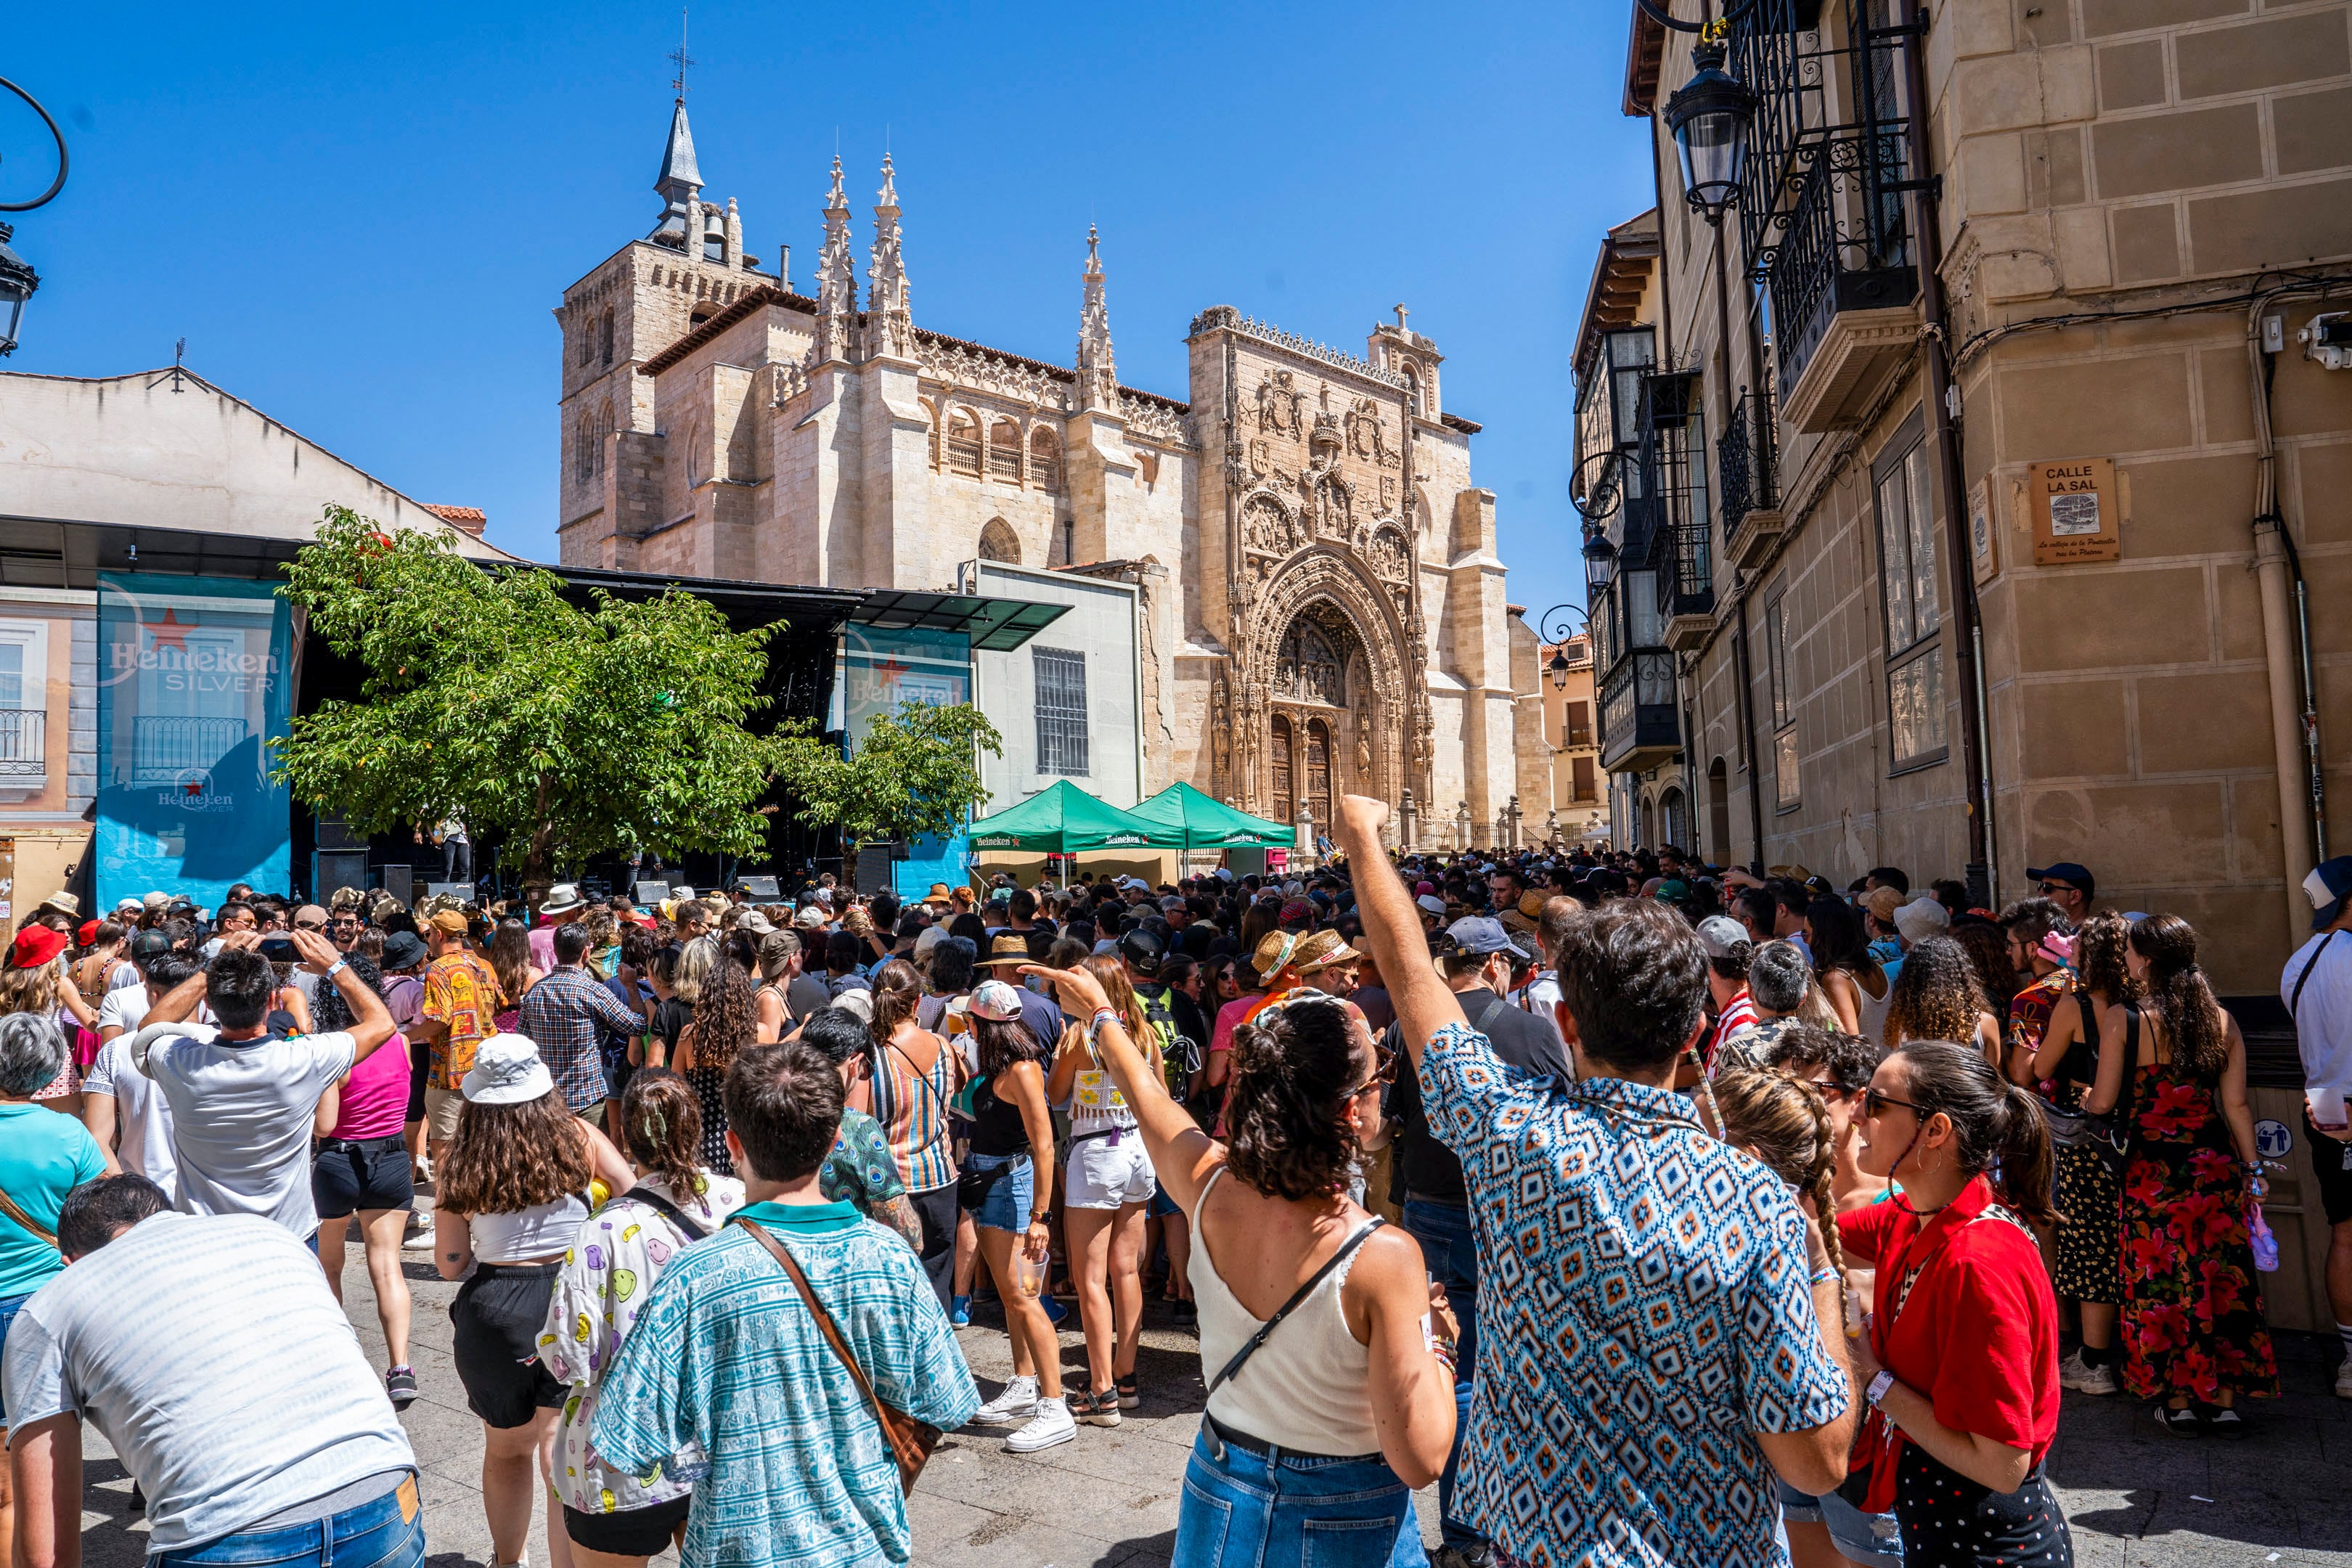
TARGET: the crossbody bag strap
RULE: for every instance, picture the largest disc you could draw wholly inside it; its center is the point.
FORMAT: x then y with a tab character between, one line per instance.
825	1324
2305	978
694	1229
923	1075
1264	1331
8	1207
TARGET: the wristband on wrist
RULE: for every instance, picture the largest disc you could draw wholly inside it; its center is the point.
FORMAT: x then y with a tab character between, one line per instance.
1878	1386
1825	1276
1102	1015
337	967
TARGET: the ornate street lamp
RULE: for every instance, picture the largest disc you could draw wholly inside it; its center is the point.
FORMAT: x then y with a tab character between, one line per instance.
17	279
1559	624
1709	116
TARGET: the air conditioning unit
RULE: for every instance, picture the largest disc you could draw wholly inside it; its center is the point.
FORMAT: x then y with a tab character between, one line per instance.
2327	338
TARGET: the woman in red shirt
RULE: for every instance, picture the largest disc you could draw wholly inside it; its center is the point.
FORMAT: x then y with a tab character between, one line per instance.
1960	1362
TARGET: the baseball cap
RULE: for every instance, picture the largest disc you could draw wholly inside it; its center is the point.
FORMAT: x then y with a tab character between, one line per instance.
1142	950
451	920
1430	902
2067	871
1721	934
1882	903
2329	884
1478	936
147	945
995	1000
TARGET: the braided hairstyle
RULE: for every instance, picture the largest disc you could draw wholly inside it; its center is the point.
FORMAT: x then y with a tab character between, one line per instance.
1785	1125
2177	991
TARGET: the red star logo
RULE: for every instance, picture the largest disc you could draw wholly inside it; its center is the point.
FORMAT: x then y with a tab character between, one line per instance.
890	670
170	632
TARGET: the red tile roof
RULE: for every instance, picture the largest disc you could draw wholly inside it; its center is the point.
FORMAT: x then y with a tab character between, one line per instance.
469	517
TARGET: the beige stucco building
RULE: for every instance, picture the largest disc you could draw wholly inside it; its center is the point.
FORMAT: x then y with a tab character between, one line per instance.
1334	618
1851	620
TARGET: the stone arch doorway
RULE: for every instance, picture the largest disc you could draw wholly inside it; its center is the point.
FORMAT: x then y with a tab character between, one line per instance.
1325	715
1674	819
1322	640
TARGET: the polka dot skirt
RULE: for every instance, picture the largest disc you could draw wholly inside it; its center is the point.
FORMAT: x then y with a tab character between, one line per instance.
1950	1521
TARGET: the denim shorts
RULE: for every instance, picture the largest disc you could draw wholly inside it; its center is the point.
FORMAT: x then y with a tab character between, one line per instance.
1007	1204
1859	1537
7	1316
1284	1510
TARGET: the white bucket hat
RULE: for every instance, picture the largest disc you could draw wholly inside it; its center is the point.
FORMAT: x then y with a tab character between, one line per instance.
507	1071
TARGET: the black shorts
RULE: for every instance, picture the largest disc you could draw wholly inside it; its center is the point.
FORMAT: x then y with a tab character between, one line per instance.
420	1077
348	1177
2331	1162
631	1532
498	1313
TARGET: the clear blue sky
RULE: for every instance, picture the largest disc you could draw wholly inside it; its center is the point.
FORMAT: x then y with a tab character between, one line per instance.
360	217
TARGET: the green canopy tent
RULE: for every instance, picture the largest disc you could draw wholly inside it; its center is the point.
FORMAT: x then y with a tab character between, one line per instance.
1206	822
1066	820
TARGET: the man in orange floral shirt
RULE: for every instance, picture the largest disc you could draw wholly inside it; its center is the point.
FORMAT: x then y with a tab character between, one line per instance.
461	1003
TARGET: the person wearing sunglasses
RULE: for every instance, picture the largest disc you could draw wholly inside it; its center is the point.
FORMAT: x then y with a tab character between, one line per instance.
2070	886
1960	1360
1327	1353
1634	1299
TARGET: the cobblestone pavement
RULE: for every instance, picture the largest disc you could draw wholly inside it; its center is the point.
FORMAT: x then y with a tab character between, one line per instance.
2138	1497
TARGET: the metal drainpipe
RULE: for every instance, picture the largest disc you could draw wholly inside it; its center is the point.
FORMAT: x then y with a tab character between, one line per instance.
1937	332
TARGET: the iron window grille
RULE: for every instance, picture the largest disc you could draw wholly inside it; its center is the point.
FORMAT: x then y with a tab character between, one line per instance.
1746	457
1061	711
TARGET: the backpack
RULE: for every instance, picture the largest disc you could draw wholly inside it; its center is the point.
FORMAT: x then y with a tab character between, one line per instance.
1180	1055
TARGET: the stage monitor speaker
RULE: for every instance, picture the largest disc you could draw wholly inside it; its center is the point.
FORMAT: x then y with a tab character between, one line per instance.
334	833
338	868
399	881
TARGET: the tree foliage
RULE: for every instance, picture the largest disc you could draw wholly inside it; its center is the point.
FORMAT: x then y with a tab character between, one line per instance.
916	773
486	694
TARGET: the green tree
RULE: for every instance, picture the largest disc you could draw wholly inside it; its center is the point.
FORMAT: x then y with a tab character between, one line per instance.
916	772
485	693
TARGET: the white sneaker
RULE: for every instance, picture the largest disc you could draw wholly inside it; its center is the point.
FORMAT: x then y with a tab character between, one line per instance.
1053	1424
2343	1378
1016	1404
417	1233
2075	1374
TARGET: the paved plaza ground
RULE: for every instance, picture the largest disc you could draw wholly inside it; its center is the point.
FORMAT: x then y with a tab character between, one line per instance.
2138	1498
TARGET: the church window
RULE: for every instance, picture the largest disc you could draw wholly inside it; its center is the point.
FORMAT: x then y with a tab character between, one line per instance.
963	443
583	450
999	542
1060	710
1045	461
1280	754
604	339
587	335
1004	451
1413	388
603	428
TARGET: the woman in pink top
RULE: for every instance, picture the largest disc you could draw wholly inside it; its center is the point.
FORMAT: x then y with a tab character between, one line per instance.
361	1167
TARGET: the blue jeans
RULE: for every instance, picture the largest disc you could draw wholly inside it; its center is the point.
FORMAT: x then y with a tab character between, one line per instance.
1859	1537
1282	1510
387	1533
1451	1252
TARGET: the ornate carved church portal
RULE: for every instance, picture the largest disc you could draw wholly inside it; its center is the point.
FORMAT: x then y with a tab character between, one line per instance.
1321	716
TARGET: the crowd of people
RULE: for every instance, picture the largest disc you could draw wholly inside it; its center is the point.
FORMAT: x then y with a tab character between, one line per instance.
1652	1212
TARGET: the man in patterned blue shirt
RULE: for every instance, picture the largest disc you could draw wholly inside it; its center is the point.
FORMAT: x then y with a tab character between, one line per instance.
1658	1322
725	1351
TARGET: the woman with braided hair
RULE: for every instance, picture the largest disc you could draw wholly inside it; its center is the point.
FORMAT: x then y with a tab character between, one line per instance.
1786	1124
2192	1316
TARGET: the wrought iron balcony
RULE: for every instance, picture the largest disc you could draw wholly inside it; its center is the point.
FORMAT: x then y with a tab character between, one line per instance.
1748	459
1640	724
1843	243
165	747
24	745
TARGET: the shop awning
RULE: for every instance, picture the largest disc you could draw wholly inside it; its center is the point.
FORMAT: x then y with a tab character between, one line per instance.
1066	820
1208	823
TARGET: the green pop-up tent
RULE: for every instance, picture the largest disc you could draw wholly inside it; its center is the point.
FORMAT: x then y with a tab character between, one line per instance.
1207	822
1066	820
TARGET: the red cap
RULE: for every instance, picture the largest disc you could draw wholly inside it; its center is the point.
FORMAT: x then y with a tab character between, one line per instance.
87	934
35	945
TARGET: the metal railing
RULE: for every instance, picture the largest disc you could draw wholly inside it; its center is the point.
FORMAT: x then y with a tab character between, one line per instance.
24	738
1747	461
165	746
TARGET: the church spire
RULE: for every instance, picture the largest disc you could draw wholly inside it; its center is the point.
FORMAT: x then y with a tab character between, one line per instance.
680	182
1098	374
890	325
836	282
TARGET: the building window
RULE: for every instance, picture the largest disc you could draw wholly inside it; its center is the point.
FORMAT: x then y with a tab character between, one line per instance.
1576	725
1061	711
999	542
1787	790
1916	709
583	450
963	443
1045	461
604	339
1581	784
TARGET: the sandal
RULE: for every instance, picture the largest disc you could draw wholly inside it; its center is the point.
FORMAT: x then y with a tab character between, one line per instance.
2181	1422
1095	1409
1128	1396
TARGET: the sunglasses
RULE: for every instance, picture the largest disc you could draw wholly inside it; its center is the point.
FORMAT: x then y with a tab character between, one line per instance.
1874	1103
2049	887
309	925
1383	1071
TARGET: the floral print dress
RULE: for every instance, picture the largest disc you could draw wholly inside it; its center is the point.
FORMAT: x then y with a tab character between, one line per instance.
2192	1318
604	1282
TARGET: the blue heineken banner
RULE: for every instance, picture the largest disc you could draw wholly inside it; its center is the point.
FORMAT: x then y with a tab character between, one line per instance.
195	679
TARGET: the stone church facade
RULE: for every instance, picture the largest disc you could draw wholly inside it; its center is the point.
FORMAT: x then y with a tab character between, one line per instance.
1322	600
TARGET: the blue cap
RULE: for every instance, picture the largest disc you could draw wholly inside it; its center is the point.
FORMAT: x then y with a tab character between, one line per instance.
1479	937
2329	884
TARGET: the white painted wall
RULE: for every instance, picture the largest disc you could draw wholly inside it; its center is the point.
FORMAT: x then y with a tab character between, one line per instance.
1100	624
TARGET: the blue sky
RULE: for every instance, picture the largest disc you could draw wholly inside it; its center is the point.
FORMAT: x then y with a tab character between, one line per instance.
360	219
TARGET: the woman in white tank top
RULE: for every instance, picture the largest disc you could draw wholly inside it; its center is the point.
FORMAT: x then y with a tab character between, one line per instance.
513	1190
1343	1400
